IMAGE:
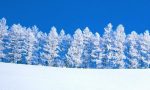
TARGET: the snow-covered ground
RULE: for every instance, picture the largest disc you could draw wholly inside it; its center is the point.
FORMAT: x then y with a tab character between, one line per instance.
27	77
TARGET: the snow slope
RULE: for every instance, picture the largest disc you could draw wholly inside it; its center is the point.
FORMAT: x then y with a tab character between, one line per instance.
27	77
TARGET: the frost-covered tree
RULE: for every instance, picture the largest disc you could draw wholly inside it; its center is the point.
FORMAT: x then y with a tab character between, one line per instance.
87	48
107	47
30	45
19	44
112	47
3	33
144	50
132	53
15	45
118	46
64	44
76	49
39	42
96	51
51	47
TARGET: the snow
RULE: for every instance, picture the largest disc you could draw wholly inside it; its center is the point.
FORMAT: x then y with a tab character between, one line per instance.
29	77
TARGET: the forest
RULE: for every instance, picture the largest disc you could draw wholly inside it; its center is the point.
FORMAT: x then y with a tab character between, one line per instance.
113	50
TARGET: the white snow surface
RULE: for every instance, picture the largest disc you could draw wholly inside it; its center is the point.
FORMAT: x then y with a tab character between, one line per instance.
29	77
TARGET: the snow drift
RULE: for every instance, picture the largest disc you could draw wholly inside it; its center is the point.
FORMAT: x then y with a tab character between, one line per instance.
27	77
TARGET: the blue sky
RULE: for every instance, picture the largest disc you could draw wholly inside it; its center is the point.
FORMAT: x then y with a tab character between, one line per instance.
73	14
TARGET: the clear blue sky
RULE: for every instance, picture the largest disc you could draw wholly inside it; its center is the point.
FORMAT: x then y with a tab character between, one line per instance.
72	14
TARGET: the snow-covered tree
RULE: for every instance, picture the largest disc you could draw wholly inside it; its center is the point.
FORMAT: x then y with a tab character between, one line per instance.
144	50
19	44
30	45
15	45
75	51
51	47
96	51
39	42
132	53
64	44
87	48
118	46
3	33
107	48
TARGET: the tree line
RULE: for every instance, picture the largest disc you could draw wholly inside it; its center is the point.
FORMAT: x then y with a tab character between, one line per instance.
84	49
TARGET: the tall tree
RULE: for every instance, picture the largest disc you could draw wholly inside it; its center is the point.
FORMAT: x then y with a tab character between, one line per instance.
76	49
118	46
96	51
30	45
51	47
16	44
87	48
64	44
107	48
39	42
3	33
144	50
132	54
